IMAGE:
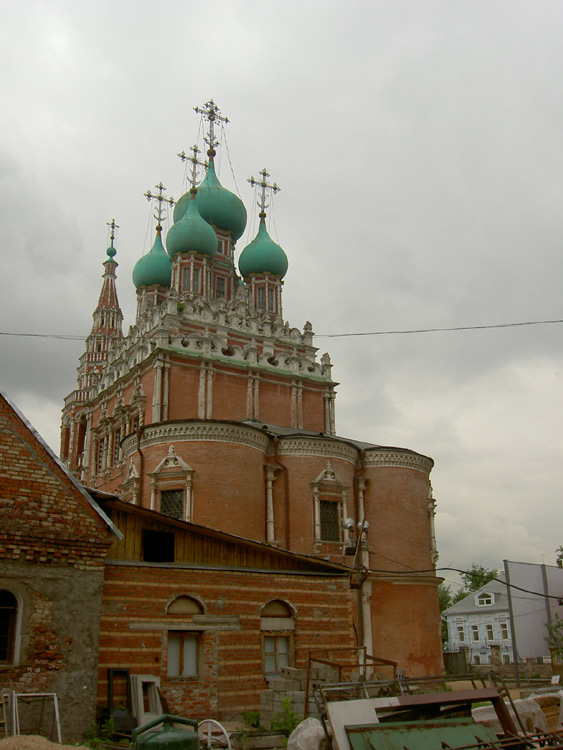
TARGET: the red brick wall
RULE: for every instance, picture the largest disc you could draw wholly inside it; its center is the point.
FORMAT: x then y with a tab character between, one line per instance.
43	517
52	551
231	676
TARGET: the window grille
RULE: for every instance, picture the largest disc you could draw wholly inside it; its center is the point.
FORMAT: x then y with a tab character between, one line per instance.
260	298
330	521
186	279
172	503
220	287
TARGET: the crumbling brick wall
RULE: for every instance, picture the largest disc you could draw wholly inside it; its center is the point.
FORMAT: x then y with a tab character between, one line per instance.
52	551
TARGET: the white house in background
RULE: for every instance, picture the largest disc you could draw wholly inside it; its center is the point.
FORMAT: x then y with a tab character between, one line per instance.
479	621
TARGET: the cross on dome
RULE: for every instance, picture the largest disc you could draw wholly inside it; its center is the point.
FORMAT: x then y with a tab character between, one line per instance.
111	251
262	186
192	178
161	199
211	112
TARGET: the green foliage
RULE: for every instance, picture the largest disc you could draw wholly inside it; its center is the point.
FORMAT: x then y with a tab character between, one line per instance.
285	721
559	553
98	735
444	596
555	636
476	577
251	719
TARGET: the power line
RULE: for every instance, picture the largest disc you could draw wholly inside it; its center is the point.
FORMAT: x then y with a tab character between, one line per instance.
435	330
63	336
71	337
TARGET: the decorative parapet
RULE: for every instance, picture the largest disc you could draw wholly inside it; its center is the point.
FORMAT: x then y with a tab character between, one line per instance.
324	448
220	432
397	459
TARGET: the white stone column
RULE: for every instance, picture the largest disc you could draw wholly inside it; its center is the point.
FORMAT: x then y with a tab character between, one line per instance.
256	388
201	392
270	524
157	392
209	404
165	391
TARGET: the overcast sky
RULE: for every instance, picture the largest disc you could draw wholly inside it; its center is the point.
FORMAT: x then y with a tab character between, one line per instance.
418	145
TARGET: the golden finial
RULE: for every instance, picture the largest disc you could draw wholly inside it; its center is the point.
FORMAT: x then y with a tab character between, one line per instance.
161	199
262	186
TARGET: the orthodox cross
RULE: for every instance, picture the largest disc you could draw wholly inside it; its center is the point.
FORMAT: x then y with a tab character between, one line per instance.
262	186
161	199
192	178
113	226
210	112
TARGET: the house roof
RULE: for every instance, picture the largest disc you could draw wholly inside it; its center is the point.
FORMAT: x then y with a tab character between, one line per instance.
309	561
468	606
52	457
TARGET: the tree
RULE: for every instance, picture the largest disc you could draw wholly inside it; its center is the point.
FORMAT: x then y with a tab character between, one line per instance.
559	558
477	576
555	636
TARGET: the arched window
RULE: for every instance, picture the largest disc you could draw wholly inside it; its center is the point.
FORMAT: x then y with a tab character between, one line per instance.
185	605
277	626
8	618
184	645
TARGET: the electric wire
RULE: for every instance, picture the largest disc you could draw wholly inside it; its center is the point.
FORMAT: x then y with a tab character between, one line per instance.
436	330
342	335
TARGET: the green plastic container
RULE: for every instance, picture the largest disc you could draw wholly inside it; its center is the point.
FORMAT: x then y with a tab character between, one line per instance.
169	737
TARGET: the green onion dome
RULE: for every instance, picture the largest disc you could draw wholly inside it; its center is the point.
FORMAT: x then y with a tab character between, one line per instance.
217	205
191	233
111	252
263	255
154	267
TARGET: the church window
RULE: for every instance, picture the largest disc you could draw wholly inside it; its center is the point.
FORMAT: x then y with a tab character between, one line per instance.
220	287
100	456
504	630
186	279
172	503
506	658
330	521
117	445
277	626
489	631
271	300
476	659
260	301
475	632
196	280
135	423
183	654
460	633
329	507
8	616
184	605
158	546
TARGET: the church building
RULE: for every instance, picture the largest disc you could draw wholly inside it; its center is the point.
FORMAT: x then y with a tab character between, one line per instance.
215	411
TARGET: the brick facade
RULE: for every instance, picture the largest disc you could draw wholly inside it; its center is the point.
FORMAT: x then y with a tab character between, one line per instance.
213	402
53	544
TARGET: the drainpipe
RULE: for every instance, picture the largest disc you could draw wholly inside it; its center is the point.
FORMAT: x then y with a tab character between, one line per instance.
276	441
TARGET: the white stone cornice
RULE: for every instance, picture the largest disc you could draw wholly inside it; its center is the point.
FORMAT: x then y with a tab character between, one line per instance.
311	446
397	458
221	432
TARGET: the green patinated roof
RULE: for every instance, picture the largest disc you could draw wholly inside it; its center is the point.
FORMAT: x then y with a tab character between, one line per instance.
154	267
263	255
216	205
191	233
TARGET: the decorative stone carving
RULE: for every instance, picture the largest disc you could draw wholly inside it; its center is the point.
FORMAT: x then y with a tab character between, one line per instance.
380	457
310	446
194	431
